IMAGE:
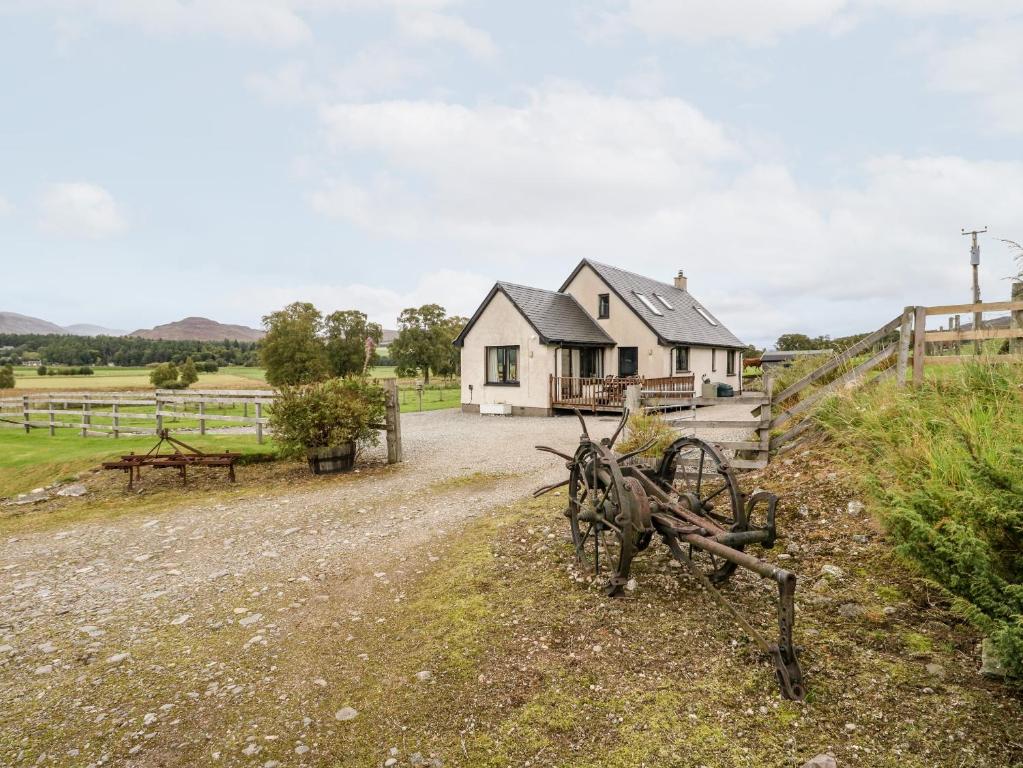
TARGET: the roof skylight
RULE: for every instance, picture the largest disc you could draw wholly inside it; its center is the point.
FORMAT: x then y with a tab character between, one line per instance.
704	314
649	304
663	301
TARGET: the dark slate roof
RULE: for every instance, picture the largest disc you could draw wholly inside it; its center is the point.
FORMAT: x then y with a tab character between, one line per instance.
556	317
681	325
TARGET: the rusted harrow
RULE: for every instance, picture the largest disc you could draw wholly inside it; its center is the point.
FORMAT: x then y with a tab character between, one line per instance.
180	459
692	500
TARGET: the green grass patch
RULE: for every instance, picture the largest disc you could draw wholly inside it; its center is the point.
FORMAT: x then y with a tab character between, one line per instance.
35	459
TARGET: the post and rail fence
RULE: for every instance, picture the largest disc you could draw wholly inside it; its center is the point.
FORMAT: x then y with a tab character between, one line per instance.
142	413
901	348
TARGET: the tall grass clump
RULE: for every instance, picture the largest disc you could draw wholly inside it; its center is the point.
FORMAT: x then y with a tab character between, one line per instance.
641	428
943	465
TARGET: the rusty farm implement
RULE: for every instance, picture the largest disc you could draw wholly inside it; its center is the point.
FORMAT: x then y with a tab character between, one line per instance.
690	499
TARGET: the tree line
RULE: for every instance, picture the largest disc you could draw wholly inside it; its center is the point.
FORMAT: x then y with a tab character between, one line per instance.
302	345
126	351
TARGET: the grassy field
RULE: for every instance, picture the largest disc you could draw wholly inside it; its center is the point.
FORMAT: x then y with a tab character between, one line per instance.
134	378
32	460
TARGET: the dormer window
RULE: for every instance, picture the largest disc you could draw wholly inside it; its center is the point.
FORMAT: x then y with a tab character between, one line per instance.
603	306
648	304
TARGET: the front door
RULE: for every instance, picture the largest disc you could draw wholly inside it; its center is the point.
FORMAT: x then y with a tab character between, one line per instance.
628	361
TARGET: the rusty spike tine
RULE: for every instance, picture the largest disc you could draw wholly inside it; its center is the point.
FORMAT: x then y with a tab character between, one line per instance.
618	430
548	488
558	453
582	421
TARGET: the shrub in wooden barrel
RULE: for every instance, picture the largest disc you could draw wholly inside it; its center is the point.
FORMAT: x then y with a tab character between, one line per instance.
328	461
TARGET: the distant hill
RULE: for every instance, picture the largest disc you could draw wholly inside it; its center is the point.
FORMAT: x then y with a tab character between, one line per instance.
12	322
85	329
199	329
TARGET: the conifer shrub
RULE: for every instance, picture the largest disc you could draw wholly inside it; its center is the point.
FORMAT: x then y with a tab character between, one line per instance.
943	465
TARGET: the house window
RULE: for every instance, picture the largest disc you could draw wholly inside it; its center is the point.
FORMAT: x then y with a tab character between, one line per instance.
731	362
681	359
503	365
713	360
603	306
591	363
628	361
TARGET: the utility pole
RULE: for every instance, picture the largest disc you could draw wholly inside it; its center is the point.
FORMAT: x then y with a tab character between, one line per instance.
975	264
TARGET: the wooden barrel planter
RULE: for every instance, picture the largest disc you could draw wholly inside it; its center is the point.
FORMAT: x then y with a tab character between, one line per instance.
328	461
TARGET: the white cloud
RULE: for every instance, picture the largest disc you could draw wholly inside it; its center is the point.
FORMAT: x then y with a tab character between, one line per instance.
79	209
987	63
457	291
758	22
432	25
654	185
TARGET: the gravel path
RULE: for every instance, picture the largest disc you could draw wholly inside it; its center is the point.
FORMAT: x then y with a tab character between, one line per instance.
90	596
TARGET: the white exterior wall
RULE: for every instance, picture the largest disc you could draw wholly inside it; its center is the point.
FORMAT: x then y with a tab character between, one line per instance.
501	324
622	325
700	364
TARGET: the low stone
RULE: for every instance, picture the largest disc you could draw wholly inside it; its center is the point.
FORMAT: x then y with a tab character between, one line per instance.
832	570
850	610
855	507
424	675
252	618
631	585
44	670
149	718
118	658
346	713
890	610
935	670
821	761
859	538
75	489
91	630
792	548
301	749
390	761
252	749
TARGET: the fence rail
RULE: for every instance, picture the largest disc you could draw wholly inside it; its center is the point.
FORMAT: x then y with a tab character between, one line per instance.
607	394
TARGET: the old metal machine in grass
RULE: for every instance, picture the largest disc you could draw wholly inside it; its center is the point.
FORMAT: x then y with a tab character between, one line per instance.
691	499
179	459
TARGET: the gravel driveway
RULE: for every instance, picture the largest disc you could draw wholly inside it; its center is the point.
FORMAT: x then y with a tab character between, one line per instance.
80	602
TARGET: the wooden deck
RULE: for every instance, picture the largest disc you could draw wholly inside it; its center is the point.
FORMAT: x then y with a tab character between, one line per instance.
607	394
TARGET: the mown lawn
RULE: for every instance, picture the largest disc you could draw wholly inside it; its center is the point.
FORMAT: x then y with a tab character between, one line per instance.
32	460
132	378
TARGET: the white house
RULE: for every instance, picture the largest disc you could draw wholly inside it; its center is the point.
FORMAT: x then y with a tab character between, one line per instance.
530	351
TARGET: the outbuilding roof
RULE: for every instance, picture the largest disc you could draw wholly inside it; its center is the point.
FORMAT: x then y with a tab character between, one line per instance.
556	317
678	319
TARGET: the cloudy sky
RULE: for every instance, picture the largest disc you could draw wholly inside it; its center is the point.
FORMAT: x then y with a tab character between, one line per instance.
808	163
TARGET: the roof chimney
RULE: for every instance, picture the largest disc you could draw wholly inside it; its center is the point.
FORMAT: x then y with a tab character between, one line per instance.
680	281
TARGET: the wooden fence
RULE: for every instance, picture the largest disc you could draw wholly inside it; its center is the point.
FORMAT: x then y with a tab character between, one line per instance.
117	413
607	393
900	347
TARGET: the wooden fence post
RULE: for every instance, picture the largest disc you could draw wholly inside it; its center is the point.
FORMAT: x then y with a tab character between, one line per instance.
259	423
904	337
392	420
1016	345
24	413
116	419
919	345
159	416
202	417
86	415
634	398
765	419
49	407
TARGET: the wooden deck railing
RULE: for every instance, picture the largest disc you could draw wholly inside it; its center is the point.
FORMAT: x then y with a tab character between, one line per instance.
608	393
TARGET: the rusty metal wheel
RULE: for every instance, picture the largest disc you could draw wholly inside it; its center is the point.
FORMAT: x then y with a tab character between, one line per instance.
700	478
605	512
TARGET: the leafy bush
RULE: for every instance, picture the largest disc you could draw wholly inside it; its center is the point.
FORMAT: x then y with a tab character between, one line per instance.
641	429
165	376
943	464
189	375
41	370
326	414
6	377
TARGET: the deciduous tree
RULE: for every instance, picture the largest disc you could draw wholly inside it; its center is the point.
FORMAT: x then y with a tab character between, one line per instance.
419	347
293	351
346	333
